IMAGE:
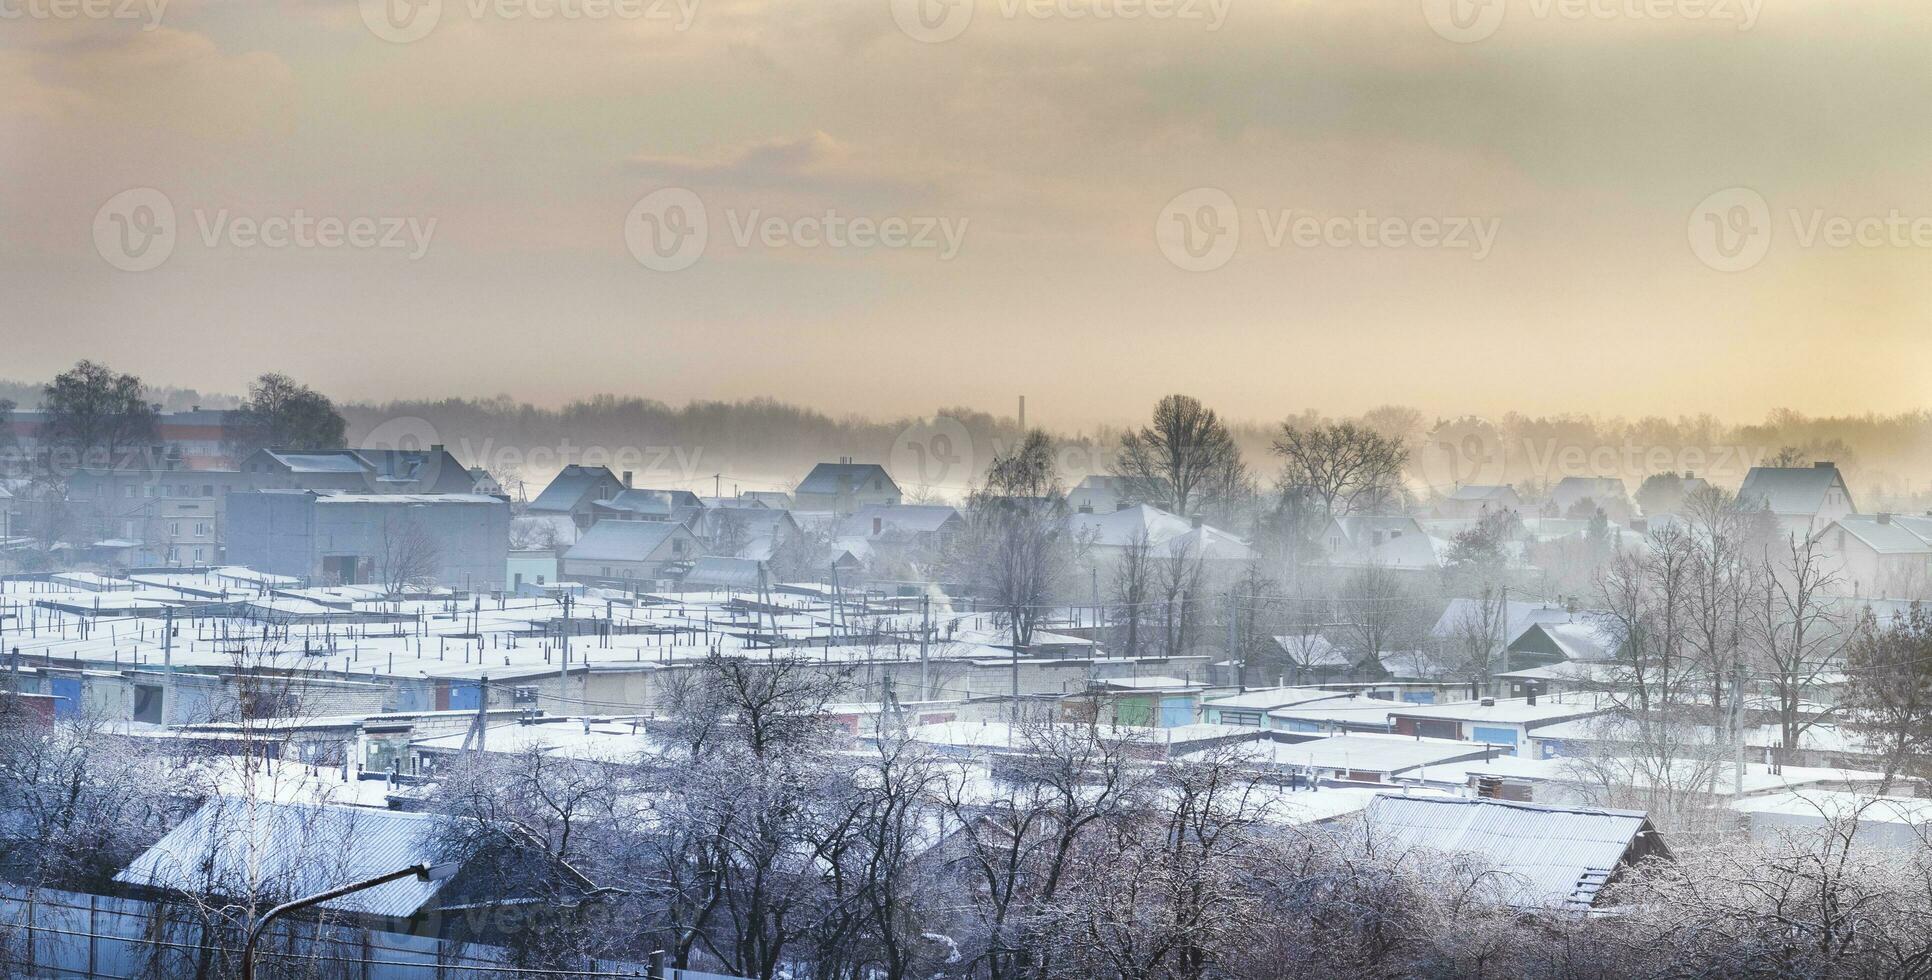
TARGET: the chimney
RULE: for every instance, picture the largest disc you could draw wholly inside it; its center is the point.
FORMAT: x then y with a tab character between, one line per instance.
1690	475
1489	702
1824	464
627	479
435	447
1884	518
878	524
1196	521
1529	692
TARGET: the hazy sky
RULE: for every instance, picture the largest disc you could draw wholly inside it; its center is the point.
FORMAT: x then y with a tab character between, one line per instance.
1509	206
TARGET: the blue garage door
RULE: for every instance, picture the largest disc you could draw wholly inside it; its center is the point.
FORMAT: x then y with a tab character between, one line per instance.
1176	712
68	689
463	696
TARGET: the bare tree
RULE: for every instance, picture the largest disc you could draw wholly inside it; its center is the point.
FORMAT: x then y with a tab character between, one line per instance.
1017	550
1798	638
408	556
1132	589
1343	467
1185	458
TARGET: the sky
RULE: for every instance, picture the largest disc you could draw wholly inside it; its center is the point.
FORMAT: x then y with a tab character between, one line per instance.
1625	207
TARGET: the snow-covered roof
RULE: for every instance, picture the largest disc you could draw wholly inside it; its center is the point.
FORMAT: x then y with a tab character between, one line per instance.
838	478
1791	490
624	540
239	848
1547	856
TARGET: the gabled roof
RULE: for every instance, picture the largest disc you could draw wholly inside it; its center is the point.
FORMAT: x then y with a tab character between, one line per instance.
837	478
909	518
665	504
1313	650
1892	535
1547	856
625	540
573	482
1789	490
1123	527
235	847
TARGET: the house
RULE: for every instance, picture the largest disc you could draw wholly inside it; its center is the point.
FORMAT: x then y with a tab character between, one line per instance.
843	487
631	554
1500	628
1666	493
1805	500
1474	500
1879	555
173	516
1504	723
431	470
1603	493
682	506
1110	535
574	494
904	525
392	540
1546	857
753	532
1314	657
1098	495
263	851
1394	541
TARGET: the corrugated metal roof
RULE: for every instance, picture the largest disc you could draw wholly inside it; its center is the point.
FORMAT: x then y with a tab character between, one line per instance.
235	848
1552	856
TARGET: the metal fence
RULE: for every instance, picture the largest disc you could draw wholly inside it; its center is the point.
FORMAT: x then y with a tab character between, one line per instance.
46	933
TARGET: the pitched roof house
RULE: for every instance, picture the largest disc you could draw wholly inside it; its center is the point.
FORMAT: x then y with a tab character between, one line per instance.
1805	499
575	492
846	486
622	554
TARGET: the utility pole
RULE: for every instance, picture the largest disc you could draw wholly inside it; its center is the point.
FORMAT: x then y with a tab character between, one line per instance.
563	659
925	636
482	713
1737	729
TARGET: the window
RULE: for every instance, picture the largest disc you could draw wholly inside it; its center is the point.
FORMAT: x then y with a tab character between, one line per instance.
200	555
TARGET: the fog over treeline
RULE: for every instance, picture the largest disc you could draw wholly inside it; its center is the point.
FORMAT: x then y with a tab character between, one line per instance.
762	443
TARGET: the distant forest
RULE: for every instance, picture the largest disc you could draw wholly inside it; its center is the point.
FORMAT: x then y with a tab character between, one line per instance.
762	444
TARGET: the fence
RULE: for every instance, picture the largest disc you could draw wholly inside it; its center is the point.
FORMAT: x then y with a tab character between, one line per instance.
46	933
